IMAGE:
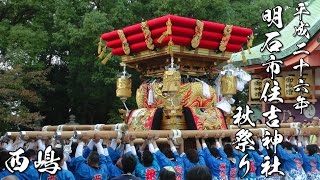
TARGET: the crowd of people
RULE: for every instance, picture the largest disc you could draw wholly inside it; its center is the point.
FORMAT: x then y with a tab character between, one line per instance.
102	159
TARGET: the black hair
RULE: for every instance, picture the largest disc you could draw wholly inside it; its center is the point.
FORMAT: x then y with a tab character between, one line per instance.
226	139
199	173
128	163
167	175
312	149
93	158
94	148
192	155
58	153
29	153
147	158
286	145
228	149
295	147
168	153
74	146
270	153
4	156
215	152
256	148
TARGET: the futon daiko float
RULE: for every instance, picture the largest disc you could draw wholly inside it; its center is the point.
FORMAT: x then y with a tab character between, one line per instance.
179	59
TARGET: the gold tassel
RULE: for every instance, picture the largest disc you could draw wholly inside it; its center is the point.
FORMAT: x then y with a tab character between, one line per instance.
170	47
104	50
169	24
106	59
249	43
99	46
167	32
244	59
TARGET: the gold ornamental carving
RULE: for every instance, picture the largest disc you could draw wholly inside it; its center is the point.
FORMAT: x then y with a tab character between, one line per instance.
123	87
167	32
171	81
225	39
198	34
125	44
147	35
228	85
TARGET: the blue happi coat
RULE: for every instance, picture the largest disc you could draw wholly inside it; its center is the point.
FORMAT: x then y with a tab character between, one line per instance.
177	164
86	172
291	164
310	165
30	173
188	165
147	173
219	167
254	161
60	175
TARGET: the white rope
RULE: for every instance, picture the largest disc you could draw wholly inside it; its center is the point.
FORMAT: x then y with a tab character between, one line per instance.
60	128
124	103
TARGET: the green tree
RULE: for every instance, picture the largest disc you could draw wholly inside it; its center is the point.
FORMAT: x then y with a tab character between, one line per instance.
59	39
19	100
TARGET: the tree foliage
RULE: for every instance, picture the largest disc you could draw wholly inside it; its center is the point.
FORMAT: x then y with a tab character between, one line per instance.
56	41
20	96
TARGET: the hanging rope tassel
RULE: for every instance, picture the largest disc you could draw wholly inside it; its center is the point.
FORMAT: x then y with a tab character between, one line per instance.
244	59
170	47
167	32
249	43
104	50
106	59
100	46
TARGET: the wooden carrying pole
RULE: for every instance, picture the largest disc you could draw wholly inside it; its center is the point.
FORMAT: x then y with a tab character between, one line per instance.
11	135
163	133
63	135
159	141
35	134
189	133
282	125
106	127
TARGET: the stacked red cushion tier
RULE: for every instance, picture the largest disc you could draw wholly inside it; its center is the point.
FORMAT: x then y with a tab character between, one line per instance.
183	30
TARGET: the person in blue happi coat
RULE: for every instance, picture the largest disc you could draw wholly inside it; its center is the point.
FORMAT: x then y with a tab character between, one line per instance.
148	168
216	160
192	157
4	156
62	174
169	157
317	155
234	162
291	161
95	168
128	162
31	172
258	157
309	159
